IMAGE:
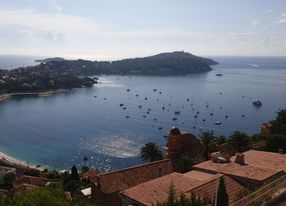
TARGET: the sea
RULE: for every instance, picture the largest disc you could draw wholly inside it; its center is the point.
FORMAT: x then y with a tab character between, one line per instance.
60	130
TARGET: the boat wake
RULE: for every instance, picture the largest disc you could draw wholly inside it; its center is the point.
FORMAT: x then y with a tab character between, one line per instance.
103	82
254	65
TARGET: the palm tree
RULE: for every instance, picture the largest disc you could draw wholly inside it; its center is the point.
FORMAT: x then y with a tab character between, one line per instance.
207	138
221	140
150	152
239	141
183	163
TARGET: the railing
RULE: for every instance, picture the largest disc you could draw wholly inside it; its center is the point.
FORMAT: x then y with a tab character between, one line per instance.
263	194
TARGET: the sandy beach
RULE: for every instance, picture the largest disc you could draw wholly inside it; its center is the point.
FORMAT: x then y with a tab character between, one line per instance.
13	162
41	94
4	97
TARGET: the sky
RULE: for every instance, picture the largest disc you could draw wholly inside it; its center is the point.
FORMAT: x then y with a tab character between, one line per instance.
115	29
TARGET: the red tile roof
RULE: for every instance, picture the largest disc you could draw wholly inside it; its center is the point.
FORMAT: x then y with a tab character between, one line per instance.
156	190
259	166
199	183
234	169
36	181
195	174
91	175
122	179
208	189
265	159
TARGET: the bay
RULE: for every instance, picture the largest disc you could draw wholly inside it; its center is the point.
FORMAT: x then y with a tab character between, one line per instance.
58	131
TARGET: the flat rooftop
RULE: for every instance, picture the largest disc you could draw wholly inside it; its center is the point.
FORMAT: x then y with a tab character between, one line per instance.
265	159
259	165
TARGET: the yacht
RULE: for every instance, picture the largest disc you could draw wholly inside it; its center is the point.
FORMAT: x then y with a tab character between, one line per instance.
257	102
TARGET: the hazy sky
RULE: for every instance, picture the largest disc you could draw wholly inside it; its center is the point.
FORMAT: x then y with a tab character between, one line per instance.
112	29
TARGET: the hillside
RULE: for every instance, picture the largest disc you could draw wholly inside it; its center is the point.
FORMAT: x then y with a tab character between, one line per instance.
174	63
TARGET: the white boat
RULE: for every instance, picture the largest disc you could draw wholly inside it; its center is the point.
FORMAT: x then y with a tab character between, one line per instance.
257	102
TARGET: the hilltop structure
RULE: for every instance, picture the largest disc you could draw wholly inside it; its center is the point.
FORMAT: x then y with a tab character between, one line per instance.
178	143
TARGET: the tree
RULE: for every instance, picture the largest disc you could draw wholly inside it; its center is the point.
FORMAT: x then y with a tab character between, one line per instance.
52	174
276	142
182	200
183	164
221	140
84	169
150	152
74	173
85	159
207	138
32	172
8	178
239	141
44	196
278	126
222	196
72	186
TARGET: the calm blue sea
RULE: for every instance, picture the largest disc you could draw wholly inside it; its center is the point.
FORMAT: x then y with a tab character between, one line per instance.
60	130
14	61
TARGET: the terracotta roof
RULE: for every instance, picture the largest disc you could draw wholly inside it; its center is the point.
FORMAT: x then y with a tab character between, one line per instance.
234	169
122	179
208	189
265	159
255	168
91	175
36	181
199	183
156	190
195	174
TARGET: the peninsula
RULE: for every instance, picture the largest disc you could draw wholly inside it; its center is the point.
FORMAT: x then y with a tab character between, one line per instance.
173	63
57	74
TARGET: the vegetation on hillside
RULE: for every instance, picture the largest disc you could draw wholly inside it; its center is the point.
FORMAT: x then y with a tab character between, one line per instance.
44	196
57	73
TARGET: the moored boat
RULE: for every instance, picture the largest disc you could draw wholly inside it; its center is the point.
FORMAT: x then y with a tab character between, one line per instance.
257	103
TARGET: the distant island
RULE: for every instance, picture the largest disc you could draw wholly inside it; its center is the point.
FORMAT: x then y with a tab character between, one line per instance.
57	73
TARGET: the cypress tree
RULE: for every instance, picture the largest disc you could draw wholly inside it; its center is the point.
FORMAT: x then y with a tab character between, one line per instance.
222	196
74	173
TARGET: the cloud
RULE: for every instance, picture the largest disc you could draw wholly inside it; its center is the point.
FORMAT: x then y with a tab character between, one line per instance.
175	33
266	41
255	22
53	24
269	11
240	33
282	19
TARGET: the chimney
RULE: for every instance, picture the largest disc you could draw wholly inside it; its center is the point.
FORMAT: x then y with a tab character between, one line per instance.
239	158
